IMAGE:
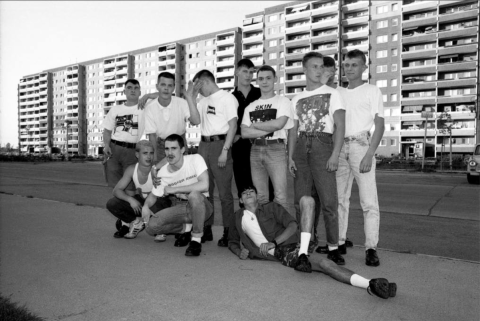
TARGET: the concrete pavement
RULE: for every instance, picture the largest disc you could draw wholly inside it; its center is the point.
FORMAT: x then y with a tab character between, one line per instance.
61	260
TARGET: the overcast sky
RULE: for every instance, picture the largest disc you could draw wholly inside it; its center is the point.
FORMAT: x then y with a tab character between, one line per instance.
35	36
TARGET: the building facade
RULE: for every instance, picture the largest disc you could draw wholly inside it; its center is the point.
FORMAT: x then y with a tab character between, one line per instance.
423	55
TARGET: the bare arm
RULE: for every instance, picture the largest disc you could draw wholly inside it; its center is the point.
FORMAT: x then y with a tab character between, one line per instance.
107	137
232	129
250	132
271	125
292	141
339	120
289	231
200	186
153	139
366	163
191	97
119	190
145	98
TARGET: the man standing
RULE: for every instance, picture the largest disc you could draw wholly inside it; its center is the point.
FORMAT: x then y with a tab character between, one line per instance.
127	205
218	113
185	181
265	122
364	107
269	232
123	128
245	93
167	114
313	157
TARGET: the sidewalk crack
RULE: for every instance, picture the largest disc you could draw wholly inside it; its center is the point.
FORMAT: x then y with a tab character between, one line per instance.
447	194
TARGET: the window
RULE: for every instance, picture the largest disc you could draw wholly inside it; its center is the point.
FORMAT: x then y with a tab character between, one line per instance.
394	67
393	97
385	98
394	83
273	18
382	53
282	79
395	37
395	22
272	31
393	142
281	41
272	43
382	9
282	16
209	63
394	6
382	39
281	67
282	54
382	24
272	55
394	52
209	53
383	142
208	43
382	68
382	83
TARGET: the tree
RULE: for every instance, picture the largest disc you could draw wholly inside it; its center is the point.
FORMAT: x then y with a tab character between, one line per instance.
445	126
8	147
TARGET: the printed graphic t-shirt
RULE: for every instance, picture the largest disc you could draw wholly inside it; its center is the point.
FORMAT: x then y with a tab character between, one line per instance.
193	166
215	112
361	105
263	110
165	121
314	109
126	123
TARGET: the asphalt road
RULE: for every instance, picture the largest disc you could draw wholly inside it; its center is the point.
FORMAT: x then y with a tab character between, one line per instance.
425	213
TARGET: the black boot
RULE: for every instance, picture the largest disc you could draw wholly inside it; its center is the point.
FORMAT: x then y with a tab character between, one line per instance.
223	242
207	233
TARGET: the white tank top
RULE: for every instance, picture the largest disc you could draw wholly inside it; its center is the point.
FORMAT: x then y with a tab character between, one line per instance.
147	187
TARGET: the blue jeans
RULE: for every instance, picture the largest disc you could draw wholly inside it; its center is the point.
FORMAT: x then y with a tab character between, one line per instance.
311	156
122	157
353	151
210	151
269	161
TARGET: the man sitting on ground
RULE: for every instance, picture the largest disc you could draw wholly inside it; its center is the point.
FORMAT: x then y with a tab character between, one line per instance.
185	180
127	204
269	232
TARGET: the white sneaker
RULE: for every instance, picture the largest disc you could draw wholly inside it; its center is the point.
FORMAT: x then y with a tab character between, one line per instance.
135	228
160	238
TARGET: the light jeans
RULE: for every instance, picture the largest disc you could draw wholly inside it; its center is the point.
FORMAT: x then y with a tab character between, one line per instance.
270	161
352	153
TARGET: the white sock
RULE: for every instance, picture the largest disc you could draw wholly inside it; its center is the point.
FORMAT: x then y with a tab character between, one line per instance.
188	227
341	242
359	281
197	239
332	248
304	242
126	224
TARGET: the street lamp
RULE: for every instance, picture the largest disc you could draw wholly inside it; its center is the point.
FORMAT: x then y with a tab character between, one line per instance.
67	122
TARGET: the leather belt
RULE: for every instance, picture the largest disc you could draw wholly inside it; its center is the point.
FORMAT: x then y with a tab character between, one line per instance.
315	134
213	138
123	144
264	141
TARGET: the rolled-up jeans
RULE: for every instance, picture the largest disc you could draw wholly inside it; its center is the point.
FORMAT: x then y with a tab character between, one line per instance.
352	153
311	156
270	161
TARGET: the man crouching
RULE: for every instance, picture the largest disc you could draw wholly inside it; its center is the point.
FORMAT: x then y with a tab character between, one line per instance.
269	232
185	181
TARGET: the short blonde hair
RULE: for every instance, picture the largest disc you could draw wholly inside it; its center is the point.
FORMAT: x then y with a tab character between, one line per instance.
143	143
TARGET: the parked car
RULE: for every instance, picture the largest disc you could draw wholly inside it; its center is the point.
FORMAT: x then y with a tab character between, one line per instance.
473	166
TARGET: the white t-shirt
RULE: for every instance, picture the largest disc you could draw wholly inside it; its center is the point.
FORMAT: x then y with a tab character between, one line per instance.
361	104
145	188
314	109
251	227
262	110
126	123
215	112
193	166
165	121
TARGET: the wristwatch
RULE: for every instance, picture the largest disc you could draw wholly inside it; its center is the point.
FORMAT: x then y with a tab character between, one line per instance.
226	148
275	243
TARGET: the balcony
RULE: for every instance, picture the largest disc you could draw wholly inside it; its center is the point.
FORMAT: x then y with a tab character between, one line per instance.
355	34
324	38
253	27
226	52
121	62
226	41
295	83
456	33
355	6
457	99
254	39
419	38
297	15
121	71
257	62
43	85
460	15
170	61
226	84
109	74
355	20
325	10
419	6
466	65
224	63
410	55
162	53
457	83
72	71
325	23
298	29
457	49
297	42
418	101
253	52
362	47
109	91
419	86
171	52
417	132
418	70
110	98
108	64
228	73
406	24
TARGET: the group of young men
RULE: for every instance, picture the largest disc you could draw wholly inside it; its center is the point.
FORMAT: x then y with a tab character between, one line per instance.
321	137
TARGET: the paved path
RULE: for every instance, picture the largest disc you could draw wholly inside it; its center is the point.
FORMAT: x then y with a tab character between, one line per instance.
61	260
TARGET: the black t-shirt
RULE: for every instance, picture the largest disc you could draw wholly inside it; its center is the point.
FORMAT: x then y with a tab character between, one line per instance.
243	102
